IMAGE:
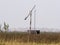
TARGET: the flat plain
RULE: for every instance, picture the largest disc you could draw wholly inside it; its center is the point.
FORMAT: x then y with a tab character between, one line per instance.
18	38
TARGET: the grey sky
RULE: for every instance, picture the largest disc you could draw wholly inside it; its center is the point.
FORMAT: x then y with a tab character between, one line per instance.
13	12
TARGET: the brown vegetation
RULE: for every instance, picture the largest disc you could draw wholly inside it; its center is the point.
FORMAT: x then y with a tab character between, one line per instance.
23	37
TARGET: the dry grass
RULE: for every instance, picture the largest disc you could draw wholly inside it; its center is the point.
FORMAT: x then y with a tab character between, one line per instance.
22	43
22	39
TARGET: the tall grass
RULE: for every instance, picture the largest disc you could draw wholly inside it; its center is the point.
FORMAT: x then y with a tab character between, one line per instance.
13	38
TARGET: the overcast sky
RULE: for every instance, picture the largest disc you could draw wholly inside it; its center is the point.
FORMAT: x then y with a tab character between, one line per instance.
13	12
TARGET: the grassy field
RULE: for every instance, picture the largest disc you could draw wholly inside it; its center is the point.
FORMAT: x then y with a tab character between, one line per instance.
23	43
14	38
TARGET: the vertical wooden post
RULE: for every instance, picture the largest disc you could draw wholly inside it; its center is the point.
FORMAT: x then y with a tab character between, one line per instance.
30	21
